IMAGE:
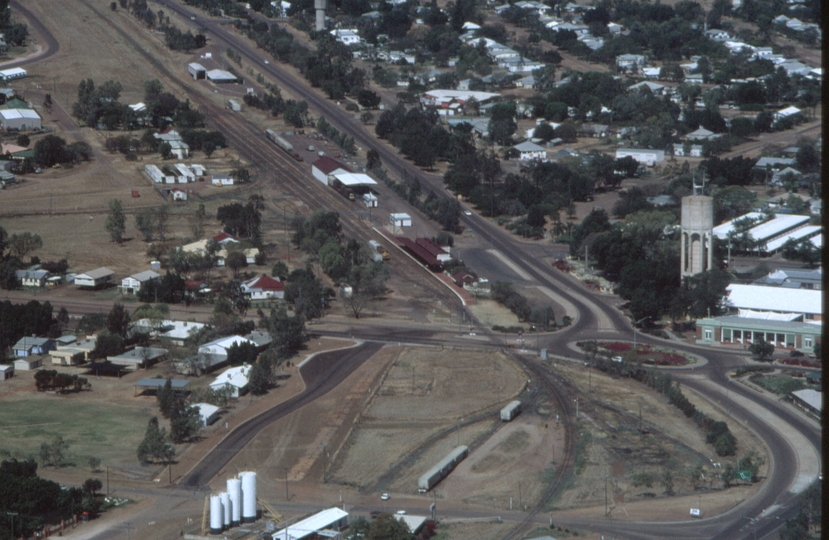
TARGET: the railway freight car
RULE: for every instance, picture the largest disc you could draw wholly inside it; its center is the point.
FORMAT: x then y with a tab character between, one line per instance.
442	469
283	144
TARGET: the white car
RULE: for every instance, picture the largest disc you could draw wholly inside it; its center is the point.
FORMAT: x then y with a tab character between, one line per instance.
467	213
385	497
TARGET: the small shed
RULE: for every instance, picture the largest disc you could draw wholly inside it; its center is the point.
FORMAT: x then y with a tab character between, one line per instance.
234	105
196	71
6	372
139	357
30	363
207	413
400	220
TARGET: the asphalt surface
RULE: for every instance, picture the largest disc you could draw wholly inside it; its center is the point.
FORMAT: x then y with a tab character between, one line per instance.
596	319
321	374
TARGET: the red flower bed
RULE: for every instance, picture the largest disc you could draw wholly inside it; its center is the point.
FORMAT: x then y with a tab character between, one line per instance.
617	347
798	362
670	359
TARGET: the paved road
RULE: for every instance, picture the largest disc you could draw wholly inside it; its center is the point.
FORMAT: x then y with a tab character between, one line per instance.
595	319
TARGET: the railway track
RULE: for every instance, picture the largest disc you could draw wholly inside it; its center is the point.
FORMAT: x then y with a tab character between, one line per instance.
288	174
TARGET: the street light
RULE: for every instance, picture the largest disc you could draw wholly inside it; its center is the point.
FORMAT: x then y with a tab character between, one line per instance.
635	324
12	514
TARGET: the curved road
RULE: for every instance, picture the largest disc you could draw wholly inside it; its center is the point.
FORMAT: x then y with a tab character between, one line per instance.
595	319
321	374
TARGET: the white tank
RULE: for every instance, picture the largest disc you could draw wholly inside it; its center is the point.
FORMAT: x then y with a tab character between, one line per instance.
225	509
234	490
216	514
248	496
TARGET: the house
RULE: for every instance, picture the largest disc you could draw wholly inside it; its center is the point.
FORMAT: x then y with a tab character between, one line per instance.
73	353
400	220
528	151
784	175
701	134
28	346
33	277
214	353
6	372
133	284
180	149
773	163
263	288
346	36
30	363
692	150
167	135
175	332
207	413
462	278
716	34
19	119
656	88
645	156
139	357
793	279
178	194
630	62
235	379
94	278
325	166
785	113
593	130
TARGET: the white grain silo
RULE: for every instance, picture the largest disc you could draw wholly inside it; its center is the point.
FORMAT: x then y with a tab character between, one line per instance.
216	514
225	509
248	496
234	490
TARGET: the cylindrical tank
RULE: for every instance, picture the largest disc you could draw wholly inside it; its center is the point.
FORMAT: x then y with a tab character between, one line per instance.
225	509
216	514
234	490
319	6
248	496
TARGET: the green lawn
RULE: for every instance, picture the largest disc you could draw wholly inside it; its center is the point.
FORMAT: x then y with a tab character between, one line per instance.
781	385
109	432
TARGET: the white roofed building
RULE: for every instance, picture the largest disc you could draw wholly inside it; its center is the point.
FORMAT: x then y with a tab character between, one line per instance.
19	119
804	304
236	379
322	524
133	283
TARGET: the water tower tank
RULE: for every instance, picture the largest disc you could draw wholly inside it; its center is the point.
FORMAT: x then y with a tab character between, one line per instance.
248	496
234	490
216	514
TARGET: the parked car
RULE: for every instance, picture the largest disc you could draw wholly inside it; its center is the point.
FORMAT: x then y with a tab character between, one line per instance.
795	354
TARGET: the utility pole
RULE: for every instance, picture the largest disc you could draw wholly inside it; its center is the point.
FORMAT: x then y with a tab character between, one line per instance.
324	461
286	484
577	408
605	494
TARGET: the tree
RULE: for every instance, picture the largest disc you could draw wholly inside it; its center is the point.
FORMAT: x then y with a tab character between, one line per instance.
668	482
761	349
92	486
535	216
259	380
94	464
107	344
118	320
388	527
22	244
154	444
116	222
185	425
502	123
166	398
236	260
50	151
23	140
368	99
166	150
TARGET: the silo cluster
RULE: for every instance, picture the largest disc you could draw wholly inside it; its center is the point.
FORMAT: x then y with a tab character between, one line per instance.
234	506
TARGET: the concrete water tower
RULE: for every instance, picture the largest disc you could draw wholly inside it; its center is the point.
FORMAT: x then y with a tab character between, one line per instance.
697	234
319	6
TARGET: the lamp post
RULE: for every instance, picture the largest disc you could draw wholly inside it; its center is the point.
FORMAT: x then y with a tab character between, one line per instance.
635	324
12	514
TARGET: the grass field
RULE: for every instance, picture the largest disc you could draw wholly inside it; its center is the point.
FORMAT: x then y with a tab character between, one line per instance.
92	429
781	385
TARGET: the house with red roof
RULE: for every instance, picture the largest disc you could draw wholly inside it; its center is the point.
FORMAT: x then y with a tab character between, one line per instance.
263	288
223	238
